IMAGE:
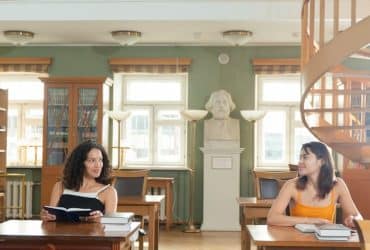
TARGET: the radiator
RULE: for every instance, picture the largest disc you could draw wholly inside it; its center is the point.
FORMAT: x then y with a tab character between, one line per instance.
14	201
162	210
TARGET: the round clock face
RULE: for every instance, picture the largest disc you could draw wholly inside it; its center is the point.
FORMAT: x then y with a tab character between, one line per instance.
223	58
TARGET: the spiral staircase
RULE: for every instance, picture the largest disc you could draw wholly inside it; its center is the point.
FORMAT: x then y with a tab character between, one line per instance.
335	105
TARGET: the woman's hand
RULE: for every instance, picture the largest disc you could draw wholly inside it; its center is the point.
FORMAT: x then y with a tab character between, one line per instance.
93	217
45	216
348	221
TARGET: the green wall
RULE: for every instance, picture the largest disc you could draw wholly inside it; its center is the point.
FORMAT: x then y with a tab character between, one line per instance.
205	76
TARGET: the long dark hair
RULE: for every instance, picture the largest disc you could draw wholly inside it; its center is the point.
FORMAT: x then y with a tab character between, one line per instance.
74	167
326	176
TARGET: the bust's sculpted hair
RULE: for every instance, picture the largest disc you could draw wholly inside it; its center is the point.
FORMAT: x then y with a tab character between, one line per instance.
211	100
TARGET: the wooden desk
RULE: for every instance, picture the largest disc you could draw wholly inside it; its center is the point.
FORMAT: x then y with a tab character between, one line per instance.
275	237
251	209
34	234
145	207
165	183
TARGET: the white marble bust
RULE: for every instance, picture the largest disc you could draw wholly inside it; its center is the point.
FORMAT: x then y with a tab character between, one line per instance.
221	126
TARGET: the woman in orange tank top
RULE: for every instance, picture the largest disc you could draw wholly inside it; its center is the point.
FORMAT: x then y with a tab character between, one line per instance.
313	195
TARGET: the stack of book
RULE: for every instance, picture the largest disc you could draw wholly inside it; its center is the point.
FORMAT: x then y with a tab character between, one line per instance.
119	221
337	232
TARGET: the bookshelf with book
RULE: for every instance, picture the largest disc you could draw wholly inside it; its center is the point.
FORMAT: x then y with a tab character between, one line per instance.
73	113
3	142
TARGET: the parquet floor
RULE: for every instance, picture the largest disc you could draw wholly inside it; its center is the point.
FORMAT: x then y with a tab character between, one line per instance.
175	239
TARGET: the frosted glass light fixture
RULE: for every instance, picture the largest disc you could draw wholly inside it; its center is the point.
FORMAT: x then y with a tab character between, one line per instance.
237	37
194	114
18	37
119	116
252	115
126	37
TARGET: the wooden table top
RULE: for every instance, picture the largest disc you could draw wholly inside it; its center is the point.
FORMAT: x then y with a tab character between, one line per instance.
279	236
67	230
254	202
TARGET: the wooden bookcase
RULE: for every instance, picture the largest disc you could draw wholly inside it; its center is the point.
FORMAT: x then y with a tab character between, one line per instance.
3	135
72	114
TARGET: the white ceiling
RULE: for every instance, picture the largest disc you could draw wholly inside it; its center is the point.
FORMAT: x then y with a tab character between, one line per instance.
162	22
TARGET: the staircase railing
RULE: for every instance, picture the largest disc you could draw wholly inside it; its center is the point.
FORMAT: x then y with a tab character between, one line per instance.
335	104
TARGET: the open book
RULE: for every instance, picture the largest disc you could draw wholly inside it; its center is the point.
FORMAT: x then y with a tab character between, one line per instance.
68	214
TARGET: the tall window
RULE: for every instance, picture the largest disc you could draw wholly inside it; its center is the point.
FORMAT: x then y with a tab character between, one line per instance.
281	133
25	115
155	131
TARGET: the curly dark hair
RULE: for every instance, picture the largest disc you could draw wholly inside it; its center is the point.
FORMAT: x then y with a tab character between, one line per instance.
326	179
74	167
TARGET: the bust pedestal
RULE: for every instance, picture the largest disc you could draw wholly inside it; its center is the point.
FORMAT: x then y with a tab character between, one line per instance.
221	185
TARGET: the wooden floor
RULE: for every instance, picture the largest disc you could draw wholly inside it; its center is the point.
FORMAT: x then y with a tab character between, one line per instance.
175	239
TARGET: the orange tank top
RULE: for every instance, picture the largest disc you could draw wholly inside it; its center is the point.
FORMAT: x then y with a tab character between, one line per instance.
325	212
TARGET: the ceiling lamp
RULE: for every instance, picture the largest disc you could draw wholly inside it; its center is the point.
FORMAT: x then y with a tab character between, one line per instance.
126	37
237	37
18	37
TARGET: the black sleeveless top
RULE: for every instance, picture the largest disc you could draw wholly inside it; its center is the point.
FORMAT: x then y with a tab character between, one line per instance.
71	198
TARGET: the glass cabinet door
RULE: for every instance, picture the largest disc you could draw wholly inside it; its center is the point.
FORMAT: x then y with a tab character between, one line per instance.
87	114
57	125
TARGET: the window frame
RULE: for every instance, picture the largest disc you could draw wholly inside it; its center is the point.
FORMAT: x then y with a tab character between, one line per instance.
291	124
121	102
22	105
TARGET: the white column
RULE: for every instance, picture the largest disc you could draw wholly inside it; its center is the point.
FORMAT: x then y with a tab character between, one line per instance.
221	185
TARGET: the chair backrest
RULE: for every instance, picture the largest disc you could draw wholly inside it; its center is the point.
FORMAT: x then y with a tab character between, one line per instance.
363	229
130	183
267	183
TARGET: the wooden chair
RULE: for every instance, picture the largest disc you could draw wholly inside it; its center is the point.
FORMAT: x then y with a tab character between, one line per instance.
267	183
293	167
132	184
363	229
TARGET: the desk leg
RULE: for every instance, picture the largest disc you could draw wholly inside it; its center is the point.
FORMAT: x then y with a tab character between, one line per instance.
156	236
246	240
243	232
153	226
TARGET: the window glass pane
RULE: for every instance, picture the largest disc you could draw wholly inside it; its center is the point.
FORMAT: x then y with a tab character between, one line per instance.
297	116
155	131
274	136
169	115
154	90
169	143
35	113
301	136
281	90
23	90
138	136
25	119
33	126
